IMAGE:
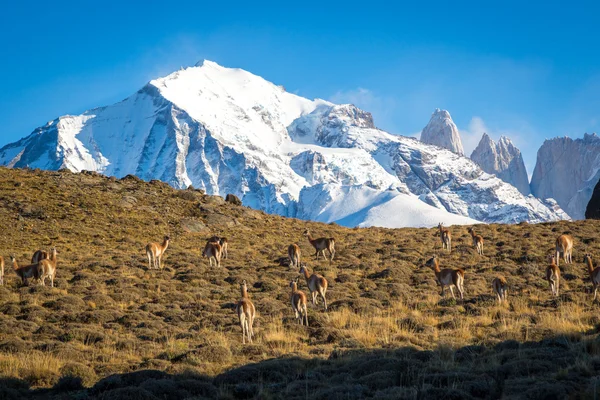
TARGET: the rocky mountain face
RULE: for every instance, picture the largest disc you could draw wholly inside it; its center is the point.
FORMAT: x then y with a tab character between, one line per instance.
592	210
502	159
441	131
226	130
568	170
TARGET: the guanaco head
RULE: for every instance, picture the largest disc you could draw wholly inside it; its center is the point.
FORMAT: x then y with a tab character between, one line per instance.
294	284
440	225
432	261
243	285
306	232
302	268
470	230
167	238
587	258
13	258
552	258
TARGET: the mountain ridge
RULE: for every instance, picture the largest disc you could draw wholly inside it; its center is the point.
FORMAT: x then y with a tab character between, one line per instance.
227	130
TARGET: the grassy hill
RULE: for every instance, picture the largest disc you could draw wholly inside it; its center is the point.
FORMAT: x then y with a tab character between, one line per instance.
388	332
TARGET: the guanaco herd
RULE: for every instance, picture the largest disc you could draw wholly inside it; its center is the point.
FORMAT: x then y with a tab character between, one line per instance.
43	267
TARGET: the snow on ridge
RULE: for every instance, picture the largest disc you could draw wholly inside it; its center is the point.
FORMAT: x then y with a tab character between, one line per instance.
226	130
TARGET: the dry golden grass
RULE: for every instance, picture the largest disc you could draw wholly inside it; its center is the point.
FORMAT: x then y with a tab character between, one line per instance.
110	314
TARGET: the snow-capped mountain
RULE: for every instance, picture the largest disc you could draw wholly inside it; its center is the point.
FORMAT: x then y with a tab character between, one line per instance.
570	183
441	131
502	159
226	130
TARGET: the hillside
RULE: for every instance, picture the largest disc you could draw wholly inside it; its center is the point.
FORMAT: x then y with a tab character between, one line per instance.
388	333
226	130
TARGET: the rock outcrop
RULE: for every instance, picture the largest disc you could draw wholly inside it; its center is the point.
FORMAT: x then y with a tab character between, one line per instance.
567	170
441	131
502	159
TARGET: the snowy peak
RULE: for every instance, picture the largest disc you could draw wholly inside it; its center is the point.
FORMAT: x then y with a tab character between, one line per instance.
502	159
441	131
226	130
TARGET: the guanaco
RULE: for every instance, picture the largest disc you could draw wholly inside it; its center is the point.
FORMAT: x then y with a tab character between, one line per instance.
594	273
46	268
500	288
38	256
446	237
553	276
213	250
477	241
317	285
448	277
1	270
294	255
246	312
155	251
25	272
564	245
223	242
322	244
298	299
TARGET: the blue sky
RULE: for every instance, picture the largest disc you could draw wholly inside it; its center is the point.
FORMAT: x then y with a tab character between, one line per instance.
530	71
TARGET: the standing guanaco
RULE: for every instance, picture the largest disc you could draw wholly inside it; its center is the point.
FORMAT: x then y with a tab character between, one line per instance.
321	244
294	255
155	251
564	245
298	299
213	250
246	312
317	285
553	275
500	288
477	241
446	237
24	272
223	242
594	273
448	277
46	268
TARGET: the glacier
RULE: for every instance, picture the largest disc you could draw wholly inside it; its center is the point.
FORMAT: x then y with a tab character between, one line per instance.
226	130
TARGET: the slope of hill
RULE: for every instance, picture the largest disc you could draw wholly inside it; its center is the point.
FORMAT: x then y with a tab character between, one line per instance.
225	130
388	332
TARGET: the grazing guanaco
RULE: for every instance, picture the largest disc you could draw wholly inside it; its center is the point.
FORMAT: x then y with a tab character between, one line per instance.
1	270
564	245
155	251
500	288
25	272
294	255
477	241
446	237
321	244
223	242
299	303
46	268
39	256
448	277
317	285
246	312
553	275
213	250
594	273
